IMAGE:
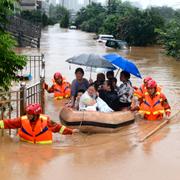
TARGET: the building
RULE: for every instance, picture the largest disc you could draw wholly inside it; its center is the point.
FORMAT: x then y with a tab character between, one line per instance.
69	4
43	5
28	5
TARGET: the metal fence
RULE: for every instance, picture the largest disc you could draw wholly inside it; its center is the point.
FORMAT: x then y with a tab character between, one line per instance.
26	33
13	103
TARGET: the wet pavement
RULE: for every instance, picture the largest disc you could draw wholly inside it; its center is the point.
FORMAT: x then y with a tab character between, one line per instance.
99	156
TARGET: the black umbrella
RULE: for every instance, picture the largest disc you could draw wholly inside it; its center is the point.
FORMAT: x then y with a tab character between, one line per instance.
91	60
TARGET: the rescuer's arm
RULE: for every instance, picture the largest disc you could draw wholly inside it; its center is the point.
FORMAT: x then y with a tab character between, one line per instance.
49	90
58	128
10	123
166	105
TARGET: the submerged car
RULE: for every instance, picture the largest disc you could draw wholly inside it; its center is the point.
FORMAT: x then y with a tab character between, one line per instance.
72	27
117	44
102	38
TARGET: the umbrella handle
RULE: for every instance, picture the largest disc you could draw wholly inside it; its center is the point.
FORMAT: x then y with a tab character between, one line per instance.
117	72
90	73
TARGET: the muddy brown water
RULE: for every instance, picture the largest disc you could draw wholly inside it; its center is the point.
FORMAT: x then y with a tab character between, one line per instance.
99	156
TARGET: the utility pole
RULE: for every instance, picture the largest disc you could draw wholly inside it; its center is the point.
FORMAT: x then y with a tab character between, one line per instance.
89	2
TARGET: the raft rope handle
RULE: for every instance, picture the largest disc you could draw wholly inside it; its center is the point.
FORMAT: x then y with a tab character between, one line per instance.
81	120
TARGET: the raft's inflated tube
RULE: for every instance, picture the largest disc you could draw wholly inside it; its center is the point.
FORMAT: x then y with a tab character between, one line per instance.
88	121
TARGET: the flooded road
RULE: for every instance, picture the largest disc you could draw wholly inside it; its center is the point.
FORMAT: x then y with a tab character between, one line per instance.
99	156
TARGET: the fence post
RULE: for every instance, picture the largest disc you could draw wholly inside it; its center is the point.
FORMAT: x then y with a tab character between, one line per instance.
22	98
42	81
20	39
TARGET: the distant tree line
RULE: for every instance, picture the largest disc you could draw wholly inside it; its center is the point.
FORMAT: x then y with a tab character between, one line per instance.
136	26
59	14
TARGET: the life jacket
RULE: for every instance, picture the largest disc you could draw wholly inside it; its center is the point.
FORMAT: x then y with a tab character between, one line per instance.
143	91
41	133
152	107
62	91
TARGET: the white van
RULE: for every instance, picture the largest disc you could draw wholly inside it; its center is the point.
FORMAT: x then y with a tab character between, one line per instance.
102	38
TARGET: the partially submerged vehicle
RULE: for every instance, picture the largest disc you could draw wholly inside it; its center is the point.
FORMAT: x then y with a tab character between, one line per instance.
117	44
102	38
72	27
94	121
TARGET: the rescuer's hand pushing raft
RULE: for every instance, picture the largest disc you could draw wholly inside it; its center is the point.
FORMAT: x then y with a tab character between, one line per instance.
35	127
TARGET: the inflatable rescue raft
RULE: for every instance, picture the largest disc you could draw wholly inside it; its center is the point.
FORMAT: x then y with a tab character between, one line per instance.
95	122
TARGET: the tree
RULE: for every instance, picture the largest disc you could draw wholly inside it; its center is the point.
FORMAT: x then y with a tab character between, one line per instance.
109	25
170	37
64	22
91	14
138	28
59	14
10	62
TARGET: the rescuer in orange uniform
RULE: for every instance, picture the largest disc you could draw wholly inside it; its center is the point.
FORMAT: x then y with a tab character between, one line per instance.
142	90
35	127
60	88
153	103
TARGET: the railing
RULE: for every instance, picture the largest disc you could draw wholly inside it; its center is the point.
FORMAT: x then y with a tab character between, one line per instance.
35	67
13	103
26	33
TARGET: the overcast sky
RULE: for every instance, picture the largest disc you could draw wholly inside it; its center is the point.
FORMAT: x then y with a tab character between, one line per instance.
145	3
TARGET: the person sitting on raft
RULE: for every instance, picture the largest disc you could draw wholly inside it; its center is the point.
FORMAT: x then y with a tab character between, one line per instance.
153	103
90	101
35	127
109	95
125	91
99	80
110	75
60	87
77	99
114	83
77	84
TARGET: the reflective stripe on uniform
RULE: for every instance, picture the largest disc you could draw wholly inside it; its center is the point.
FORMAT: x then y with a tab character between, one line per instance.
157	112
62	129
168	110
44	142
43	117
135	94
144	112
1	124
40	142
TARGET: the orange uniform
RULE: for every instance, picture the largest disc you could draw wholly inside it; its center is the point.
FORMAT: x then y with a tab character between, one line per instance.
60	91
154	107
143	91
37	132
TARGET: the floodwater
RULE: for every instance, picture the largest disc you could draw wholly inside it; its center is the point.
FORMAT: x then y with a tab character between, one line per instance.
113	156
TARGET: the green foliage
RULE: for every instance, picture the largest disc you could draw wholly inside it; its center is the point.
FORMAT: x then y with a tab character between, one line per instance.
88	16
6	7
166	12
10	62
109	25
59	14
93	24
138	28
36	17
64	22
170	37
